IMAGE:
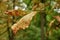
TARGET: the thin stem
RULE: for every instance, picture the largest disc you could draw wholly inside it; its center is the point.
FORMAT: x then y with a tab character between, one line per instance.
43	21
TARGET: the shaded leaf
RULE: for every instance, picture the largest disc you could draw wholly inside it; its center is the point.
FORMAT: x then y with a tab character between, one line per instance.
57	18
15	12
51	23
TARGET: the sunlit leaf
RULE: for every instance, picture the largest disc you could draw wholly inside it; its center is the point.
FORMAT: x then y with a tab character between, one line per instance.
23	23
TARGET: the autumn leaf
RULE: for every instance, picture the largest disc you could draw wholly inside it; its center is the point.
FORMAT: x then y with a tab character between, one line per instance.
4	0
57	18
12	12
15	12
51	23
23	23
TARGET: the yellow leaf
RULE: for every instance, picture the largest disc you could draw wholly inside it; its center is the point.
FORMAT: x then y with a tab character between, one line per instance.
51	23
4	0
24	22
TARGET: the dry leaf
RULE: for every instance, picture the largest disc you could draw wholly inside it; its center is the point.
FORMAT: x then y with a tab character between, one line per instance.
4	0
51	23
57	18
15	12
50	32
23	23
12	12
34	7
